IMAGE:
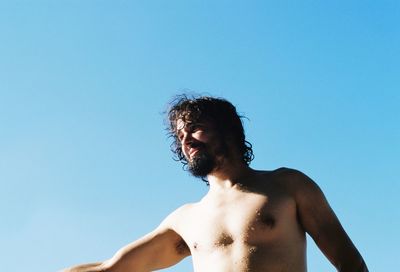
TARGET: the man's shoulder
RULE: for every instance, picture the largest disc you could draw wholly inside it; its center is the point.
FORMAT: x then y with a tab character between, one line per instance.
292	179
174	219
285	172
296	182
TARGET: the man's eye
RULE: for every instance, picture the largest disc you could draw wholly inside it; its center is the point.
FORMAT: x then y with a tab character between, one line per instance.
195	128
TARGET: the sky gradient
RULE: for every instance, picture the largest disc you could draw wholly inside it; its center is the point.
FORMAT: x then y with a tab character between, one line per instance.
85	166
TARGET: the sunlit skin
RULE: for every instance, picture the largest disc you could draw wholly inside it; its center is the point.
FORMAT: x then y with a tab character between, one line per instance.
196	138
249	221
189	135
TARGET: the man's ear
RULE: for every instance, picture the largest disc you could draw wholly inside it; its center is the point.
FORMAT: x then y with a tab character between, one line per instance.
230	140
230	144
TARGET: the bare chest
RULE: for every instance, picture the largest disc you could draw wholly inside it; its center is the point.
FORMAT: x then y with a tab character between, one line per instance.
241	221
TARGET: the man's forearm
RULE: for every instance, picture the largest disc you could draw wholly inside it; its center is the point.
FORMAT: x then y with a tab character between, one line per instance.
93	267
360	267
363	267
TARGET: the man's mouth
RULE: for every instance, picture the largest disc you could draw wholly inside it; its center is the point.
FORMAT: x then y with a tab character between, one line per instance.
194	148
193	151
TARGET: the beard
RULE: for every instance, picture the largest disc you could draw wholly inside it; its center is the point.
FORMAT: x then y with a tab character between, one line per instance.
202	164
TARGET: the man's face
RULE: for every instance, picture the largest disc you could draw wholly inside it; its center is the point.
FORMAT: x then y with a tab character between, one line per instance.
200	146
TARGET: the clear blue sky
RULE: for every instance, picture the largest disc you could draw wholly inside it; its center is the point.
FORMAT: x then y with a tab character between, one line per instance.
85	165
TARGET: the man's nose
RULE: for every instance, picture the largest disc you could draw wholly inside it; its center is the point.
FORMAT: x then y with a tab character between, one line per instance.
187	139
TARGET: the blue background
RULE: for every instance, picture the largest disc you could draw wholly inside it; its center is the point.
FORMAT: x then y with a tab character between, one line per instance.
85	166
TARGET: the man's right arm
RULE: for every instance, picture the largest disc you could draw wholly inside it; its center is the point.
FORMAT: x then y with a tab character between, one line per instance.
159	249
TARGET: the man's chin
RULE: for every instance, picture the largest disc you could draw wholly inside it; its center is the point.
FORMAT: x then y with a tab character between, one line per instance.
200	166
199	173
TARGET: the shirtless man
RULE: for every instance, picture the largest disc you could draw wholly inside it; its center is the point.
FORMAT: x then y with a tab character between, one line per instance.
250	220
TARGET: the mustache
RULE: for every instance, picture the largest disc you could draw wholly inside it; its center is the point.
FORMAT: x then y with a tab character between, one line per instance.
197	145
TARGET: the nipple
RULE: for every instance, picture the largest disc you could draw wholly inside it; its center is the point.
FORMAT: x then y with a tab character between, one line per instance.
224	240
268	220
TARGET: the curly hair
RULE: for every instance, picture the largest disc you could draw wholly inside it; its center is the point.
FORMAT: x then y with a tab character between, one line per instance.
218	111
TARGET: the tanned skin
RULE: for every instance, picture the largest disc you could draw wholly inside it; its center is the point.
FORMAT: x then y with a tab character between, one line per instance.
249	221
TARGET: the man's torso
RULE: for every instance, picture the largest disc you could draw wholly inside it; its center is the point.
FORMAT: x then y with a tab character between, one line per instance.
247	228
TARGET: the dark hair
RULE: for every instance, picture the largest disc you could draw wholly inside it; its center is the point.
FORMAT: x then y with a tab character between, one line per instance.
220	112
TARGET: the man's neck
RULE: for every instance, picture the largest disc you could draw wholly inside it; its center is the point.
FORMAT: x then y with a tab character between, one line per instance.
229	175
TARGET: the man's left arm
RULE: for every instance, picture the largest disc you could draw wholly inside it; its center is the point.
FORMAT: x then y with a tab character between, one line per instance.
321	223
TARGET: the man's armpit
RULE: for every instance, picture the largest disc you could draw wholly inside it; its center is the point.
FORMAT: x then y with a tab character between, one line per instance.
182	248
